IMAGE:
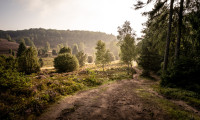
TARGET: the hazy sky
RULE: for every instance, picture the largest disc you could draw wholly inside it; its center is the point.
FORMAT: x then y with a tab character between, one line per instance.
92	15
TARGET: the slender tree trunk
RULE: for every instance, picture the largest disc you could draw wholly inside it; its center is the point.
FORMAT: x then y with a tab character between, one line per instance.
103	67
168	36
180	15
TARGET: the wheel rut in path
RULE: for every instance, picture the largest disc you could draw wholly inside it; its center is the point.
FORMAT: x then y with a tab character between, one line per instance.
114	101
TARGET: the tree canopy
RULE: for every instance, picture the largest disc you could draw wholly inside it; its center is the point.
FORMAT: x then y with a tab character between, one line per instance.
102	56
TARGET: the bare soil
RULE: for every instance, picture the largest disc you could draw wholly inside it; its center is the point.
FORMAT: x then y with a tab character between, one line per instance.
114	101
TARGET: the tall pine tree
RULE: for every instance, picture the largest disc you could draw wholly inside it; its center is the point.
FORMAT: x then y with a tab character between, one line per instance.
21	49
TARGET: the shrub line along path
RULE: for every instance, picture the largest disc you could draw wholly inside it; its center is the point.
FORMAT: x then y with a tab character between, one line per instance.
121	100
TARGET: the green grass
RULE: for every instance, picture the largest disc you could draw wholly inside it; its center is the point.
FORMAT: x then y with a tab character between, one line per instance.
189	97
174	111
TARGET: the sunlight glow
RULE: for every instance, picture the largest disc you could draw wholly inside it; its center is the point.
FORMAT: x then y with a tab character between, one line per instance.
92	15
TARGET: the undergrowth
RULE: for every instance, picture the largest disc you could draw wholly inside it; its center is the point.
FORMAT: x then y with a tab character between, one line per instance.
44	88
175	112
190	97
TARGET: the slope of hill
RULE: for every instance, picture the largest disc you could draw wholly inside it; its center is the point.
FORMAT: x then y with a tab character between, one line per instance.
40	36
5	45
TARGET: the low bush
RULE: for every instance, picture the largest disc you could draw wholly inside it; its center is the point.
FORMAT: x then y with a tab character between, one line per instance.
91	80
66	63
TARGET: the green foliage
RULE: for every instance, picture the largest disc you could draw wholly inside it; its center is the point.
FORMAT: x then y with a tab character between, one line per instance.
30	96
21	49
190	97
54	52
154	41
149	59
10	79
8	62
184	73
102	55
41	52
65	50
107	57
101	50
66	62
28	61
75	49
69	86
41	62
124	31
111	56
127	43
13	80
128	52
29	42
21	40
81	56
91	80
14	86
90	59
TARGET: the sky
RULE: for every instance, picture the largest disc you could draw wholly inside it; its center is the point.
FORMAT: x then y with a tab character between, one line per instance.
92	15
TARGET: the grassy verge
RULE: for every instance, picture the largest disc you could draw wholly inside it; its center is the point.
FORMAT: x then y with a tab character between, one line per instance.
48	86
189	97
173	111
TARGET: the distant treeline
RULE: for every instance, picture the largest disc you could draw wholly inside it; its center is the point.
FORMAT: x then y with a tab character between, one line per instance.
40	36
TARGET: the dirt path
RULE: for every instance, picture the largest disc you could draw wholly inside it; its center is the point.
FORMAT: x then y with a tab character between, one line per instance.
115	101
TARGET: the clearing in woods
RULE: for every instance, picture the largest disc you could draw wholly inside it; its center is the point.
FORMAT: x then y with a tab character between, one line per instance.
132	99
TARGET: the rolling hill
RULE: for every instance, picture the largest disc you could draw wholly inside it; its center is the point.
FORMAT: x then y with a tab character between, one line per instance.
40	36
5	45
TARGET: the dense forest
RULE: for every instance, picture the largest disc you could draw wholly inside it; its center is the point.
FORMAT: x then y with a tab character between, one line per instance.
171	42
55	37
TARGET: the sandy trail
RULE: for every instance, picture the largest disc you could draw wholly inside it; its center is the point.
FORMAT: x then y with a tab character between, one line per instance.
114	101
